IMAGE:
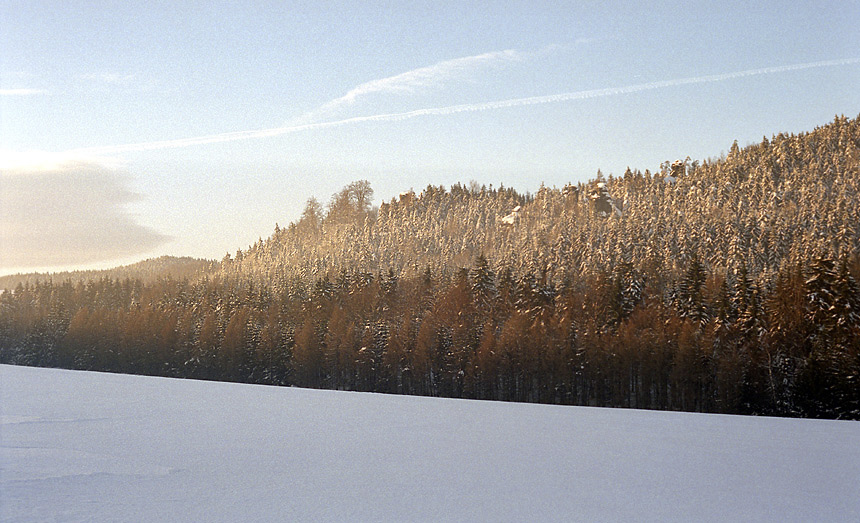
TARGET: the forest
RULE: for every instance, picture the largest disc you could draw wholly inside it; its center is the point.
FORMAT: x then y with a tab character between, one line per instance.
724	285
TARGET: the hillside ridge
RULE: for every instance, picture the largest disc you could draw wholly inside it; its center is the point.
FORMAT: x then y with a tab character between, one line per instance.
763	206
730	286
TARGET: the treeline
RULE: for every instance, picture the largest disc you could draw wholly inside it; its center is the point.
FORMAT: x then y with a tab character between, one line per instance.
146	271
709	342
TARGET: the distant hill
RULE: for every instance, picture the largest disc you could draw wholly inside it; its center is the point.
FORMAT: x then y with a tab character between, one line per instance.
783	200
146	271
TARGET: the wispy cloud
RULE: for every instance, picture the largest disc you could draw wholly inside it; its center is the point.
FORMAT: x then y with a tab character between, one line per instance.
109	78
110	81
22	92
454	109
24	162
69	214
430	77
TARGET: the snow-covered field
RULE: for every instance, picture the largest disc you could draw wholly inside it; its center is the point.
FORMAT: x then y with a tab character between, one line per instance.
83	446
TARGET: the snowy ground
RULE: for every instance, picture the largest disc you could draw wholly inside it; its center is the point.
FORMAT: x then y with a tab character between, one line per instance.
81	446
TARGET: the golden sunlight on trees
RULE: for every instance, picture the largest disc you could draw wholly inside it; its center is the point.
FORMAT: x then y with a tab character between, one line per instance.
731	287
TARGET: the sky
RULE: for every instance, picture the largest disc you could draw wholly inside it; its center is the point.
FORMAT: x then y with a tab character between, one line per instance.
130	130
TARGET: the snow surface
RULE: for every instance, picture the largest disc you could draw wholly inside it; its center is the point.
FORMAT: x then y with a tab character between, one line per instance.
84	446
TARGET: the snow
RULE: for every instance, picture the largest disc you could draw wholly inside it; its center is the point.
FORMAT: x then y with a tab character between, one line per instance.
511	218
83	446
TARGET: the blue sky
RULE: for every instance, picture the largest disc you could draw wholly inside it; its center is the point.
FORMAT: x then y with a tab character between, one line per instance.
99	101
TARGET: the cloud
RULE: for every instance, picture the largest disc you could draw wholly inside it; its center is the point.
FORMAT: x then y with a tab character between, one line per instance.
110	78
22	92
454	109
111	82
68	214
14	163
433	76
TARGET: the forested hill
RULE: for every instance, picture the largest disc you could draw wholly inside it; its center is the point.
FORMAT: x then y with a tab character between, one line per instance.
726	286
146	271
762	207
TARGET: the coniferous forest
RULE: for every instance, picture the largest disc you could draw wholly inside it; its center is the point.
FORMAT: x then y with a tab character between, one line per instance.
723	285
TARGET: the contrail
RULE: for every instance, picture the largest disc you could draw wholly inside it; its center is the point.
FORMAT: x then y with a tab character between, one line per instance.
423	77
454	109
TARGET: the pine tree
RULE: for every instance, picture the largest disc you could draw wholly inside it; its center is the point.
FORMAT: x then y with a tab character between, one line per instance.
690	299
